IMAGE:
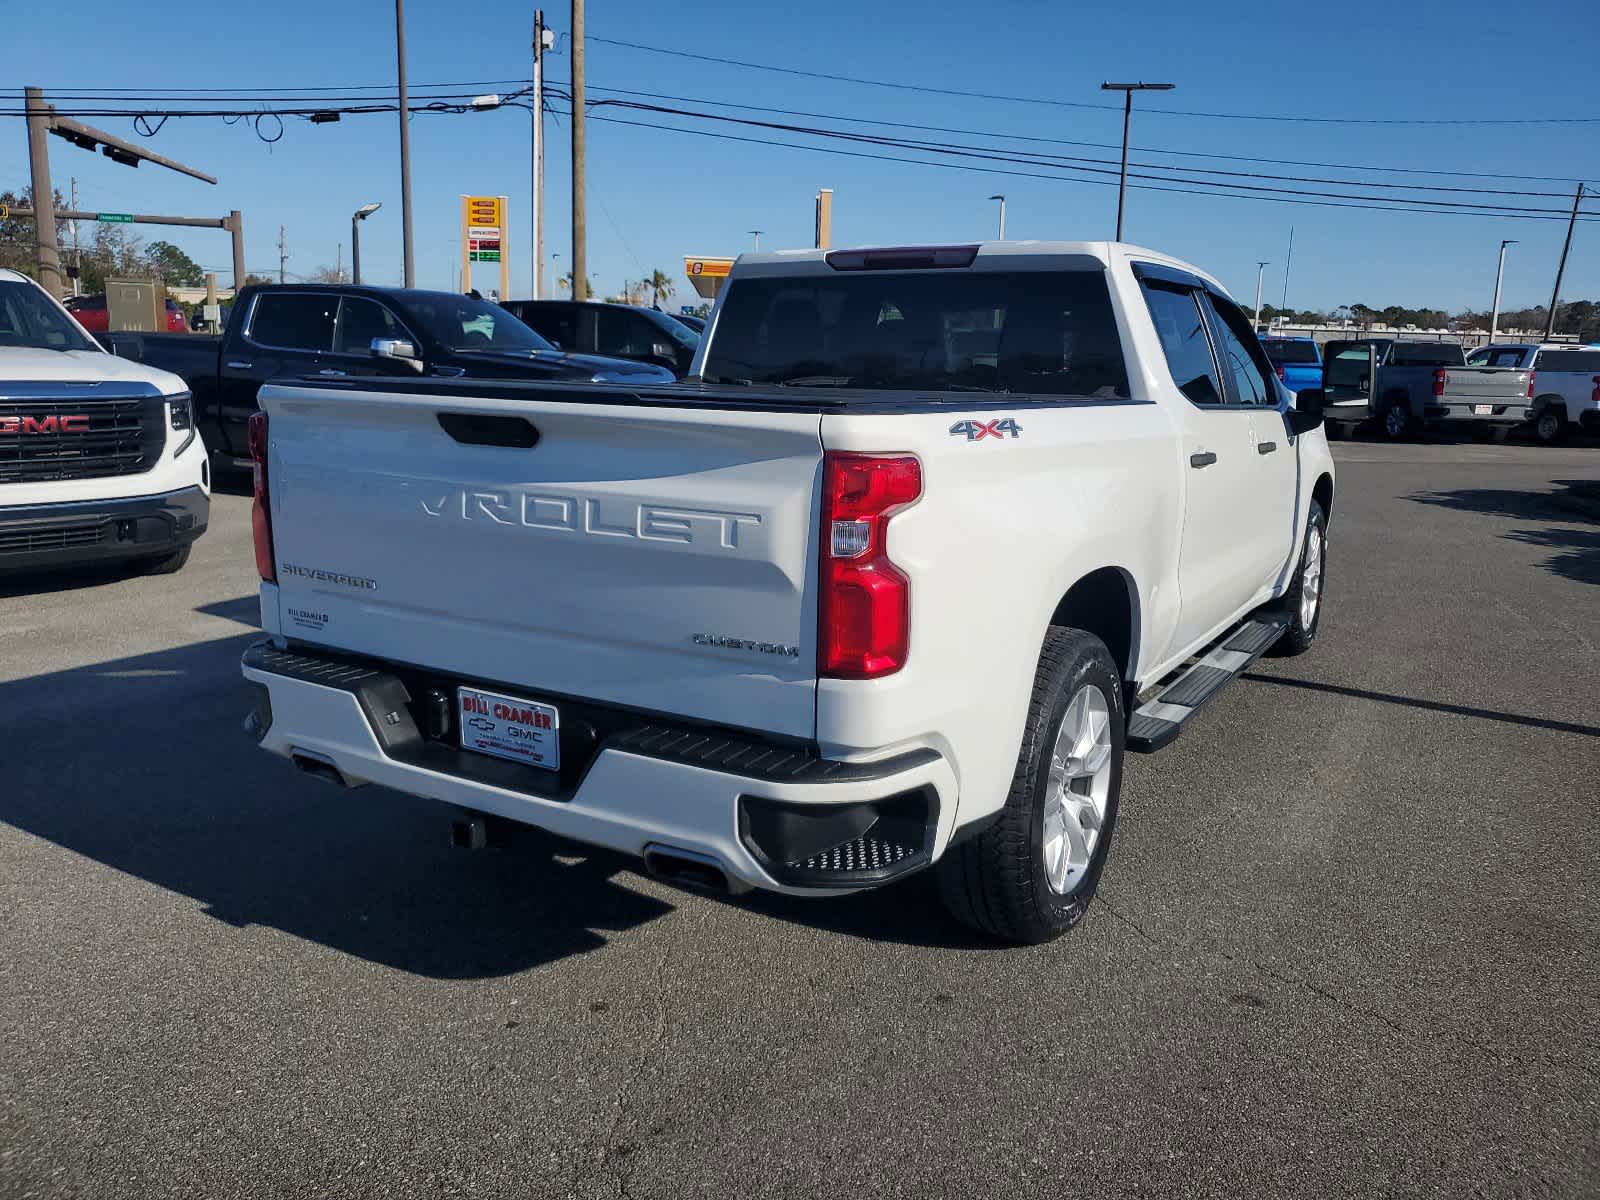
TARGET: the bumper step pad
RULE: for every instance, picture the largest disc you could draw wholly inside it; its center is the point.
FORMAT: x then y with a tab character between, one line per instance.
1158	721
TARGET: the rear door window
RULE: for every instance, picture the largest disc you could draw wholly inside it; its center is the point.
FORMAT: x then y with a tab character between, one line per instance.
557	322
1046	333
294	321
1186	342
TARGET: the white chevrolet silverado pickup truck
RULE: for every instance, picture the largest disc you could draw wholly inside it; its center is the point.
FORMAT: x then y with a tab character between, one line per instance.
99	457
929	537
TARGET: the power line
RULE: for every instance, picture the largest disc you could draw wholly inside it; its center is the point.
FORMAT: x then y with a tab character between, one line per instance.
1068	162
269	90
1162	112
1150	187
1021	137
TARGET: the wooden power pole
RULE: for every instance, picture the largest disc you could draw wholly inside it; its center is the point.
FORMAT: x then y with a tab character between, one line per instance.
580	253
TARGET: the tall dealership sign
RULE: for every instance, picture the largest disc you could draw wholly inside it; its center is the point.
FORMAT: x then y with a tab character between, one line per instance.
483	239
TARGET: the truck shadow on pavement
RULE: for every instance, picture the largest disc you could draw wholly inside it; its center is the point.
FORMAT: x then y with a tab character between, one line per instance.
142	764
170	790
1570	532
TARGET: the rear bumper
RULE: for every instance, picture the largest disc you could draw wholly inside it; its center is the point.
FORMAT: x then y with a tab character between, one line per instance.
1498	414
772	814
34	537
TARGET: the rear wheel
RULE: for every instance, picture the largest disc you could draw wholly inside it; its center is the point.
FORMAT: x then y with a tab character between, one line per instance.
1550	425
1397	423
1030	876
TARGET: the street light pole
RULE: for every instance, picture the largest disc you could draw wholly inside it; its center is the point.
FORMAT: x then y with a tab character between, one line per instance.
757	233
360	215
1494	316
1261	268
1127	90
405	143
1001	236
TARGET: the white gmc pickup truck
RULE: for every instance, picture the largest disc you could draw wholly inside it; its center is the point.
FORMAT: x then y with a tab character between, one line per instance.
100	461
929	537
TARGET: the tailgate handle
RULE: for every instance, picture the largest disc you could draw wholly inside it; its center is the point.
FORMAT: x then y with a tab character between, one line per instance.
482	429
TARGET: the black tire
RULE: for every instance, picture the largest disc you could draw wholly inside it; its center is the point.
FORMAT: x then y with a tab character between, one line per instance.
1397	423
1550	426
167	565
1301	633
996	882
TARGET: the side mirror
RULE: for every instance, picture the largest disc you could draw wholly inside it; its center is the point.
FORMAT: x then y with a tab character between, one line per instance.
1306	414
396	349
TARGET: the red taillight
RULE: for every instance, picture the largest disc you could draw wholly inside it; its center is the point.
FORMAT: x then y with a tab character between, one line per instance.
1531	374
260	509
864	610
1280	370
1438	382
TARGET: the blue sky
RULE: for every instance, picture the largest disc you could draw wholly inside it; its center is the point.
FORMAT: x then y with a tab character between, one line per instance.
656	196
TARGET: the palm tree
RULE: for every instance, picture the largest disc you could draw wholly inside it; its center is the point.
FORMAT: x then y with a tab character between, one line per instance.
566	282
660	285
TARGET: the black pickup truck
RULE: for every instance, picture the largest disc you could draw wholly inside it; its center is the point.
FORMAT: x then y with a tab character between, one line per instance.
333	330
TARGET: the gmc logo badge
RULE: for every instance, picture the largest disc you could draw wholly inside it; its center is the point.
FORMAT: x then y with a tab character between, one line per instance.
20	425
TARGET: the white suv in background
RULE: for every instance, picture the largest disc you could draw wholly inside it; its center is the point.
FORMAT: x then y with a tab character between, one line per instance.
99	457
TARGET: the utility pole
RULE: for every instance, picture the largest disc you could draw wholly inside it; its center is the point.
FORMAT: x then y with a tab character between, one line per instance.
77	251
1287	267
540	33
283	254
1261	268
1127	90
44	197
1561	268
580	249
405	143
1001	236
756	233
1494	316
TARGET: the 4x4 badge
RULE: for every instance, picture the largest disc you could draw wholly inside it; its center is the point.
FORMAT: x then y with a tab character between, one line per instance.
976	431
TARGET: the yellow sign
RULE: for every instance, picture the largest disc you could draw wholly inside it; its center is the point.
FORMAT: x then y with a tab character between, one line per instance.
708	266
484	210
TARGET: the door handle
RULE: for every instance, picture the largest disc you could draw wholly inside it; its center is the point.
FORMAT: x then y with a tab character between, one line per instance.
330	371
237	365
1202	460
1266	447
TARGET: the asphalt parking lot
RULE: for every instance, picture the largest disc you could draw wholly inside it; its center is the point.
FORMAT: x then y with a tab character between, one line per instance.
1348	942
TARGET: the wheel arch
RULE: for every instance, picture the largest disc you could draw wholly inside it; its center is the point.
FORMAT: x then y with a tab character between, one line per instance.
1322	493
1105	602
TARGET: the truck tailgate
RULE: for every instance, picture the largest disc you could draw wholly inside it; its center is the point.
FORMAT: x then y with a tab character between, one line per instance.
1497	386
658	556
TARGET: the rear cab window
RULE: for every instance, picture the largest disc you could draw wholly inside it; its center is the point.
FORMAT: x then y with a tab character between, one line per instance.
1018	332
1426	354
1586	362
1281	350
